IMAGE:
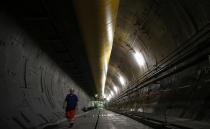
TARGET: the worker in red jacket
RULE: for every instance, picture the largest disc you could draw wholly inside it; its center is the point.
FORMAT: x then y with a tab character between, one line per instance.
71	103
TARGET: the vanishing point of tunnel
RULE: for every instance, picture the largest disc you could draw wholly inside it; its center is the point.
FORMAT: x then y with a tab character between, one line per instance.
133	64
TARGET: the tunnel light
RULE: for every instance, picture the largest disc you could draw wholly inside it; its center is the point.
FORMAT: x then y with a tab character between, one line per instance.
132	109
105	96
115	89
139	58
122	80
96	95
140	110
108	98
112	94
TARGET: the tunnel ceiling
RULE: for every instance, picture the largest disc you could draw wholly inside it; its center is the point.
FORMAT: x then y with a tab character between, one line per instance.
148	33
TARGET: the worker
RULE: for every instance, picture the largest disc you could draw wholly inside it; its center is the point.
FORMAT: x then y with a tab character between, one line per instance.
70	104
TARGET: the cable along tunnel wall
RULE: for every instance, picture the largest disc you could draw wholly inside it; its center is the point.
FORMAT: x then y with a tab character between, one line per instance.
180	93
33	87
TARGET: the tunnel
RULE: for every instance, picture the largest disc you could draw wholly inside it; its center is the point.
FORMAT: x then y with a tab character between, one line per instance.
133	64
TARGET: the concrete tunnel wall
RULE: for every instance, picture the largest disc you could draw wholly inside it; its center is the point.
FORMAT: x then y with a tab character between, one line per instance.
33	87
173	37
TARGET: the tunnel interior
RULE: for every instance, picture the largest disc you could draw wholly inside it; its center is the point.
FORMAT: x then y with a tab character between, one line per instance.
159	66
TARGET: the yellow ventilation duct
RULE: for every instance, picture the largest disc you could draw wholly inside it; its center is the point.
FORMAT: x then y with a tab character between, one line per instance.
97	19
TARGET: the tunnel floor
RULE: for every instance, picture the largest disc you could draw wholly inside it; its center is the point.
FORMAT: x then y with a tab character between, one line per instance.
102	119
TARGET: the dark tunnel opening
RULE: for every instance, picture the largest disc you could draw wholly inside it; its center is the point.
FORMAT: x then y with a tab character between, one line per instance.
158	72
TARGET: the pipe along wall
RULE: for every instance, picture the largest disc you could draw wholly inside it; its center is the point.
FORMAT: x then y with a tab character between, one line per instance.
33	87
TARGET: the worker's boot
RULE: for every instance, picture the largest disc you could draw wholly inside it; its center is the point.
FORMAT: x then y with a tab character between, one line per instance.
71	125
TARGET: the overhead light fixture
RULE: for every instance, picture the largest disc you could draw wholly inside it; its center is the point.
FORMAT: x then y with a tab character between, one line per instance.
139	58
108	98
105	96
115	89
112	94
122	80
96	95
